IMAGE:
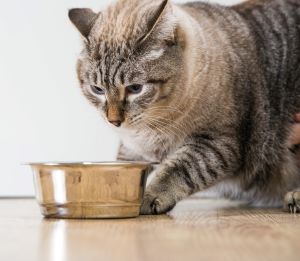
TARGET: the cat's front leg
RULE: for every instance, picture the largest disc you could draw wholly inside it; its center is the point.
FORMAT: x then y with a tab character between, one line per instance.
201	162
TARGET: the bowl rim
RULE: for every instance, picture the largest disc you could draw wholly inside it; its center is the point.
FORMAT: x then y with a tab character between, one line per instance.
91	163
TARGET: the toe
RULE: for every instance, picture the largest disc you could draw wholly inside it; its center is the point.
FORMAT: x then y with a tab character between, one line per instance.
146	208
162	205
154	204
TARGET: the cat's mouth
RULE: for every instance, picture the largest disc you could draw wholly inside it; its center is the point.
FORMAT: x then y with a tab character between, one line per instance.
126	123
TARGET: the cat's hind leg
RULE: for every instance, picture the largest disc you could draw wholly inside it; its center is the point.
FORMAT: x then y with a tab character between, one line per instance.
292	198
292	201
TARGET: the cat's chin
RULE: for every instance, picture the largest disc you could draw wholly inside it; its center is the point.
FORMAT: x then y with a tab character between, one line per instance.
125	128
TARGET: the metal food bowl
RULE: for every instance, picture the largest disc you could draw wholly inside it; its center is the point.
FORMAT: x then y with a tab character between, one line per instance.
90	190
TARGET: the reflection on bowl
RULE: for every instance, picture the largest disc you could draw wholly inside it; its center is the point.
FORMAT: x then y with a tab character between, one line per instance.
90	189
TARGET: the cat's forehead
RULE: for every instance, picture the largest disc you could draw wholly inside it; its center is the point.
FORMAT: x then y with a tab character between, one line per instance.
120	25
109	69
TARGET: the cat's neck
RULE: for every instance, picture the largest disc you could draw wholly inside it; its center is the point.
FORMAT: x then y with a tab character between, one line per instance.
206	43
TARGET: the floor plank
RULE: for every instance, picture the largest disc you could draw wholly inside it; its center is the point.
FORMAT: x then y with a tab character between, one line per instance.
194	230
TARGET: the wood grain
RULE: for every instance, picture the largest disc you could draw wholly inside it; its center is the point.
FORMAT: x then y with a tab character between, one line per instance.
195	230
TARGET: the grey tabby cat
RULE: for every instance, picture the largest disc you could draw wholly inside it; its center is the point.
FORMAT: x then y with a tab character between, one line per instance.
206	90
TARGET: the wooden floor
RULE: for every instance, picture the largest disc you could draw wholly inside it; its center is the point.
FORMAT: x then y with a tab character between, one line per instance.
195	230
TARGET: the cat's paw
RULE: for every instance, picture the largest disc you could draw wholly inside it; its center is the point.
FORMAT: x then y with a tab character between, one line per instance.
292	201
157	203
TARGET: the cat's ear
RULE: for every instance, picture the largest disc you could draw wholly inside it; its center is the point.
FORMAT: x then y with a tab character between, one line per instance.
160	19
83	19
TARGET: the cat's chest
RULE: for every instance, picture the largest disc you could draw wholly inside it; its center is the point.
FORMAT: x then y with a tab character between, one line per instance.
149	147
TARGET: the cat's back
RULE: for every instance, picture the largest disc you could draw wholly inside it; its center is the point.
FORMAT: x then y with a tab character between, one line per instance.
244	7
250	5
272	15
276	27
275	31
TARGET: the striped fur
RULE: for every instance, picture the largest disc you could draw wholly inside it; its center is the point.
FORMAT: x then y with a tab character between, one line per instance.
221	85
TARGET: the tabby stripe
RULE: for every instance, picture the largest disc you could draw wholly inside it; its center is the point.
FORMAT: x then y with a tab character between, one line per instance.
152	81
87	76
213	173
101	75
199	149
208	167
115	73
122	77
95	78
188	165
205	136
107	67
147	97
196	167
258	31
215	150
212	134
279	41
182	172
103	66
232	150
269	29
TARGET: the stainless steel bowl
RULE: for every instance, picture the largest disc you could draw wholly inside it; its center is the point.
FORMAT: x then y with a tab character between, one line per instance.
90	190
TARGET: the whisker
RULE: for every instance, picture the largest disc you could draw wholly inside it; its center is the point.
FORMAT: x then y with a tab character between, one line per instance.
156	128
167	128
174	125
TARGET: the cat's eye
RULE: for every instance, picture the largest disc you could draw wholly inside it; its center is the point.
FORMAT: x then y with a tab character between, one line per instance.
98	90
134	89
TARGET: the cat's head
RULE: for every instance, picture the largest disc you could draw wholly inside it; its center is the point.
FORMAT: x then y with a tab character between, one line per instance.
131	64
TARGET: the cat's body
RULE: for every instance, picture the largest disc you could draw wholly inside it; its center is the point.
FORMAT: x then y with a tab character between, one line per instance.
229	87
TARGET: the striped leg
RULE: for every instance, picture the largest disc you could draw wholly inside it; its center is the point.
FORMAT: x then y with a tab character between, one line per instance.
199	163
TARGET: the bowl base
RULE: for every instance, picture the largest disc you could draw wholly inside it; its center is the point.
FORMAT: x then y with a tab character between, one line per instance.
89	211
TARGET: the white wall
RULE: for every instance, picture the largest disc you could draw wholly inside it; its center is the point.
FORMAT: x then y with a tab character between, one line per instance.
43	115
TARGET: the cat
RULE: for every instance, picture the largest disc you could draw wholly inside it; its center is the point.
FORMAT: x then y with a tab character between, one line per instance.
207	91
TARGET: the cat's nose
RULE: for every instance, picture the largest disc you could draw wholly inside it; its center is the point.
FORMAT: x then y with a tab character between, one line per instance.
117	123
